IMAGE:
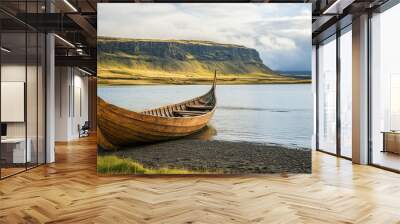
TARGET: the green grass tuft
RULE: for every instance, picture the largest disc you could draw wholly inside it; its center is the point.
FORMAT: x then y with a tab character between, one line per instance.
116	165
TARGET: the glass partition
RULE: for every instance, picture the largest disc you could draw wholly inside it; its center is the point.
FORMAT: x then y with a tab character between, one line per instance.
327	95
13	94
346	93
385	89
22	88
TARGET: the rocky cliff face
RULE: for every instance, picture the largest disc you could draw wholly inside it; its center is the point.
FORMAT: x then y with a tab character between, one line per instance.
180	56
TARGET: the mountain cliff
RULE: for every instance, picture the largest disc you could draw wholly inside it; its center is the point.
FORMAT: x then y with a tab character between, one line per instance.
143	61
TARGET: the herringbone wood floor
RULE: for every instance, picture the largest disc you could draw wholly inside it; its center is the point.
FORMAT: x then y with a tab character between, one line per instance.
69	191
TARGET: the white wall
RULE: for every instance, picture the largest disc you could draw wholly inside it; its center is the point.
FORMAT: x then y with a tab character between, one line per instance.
71	94
62	81
33	126
80	109
16	73
13	73
13	100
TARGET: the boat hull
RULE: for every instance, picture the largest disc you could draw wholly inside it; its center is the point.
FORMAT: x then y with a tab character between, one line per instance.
122	127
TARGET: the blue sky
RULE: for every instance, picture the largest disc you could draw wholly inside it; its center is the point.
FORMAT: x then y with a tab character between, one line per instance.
281	33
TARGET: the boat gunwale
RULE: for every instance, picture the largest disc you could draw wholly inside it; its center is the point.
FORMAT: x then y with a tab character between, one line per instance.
162	117
152	123
211	91
182	103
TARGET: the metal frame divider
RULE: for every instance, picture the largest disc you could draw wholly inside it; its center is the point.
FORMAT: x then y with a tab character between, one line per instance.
26	86
316	97
338	82
369	77
37	90
0	93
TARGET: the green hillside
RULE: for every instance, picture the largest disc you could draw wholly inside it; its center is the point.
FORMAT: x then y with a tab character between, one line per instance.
139	61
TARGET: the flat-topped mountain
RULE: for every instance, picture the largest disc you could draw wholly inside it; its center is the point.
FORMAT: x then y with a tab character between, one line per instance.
153	61
181	56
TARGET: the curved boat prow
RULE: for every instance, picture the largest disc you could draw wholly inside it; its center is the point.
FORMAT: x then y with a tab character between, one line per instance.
215	79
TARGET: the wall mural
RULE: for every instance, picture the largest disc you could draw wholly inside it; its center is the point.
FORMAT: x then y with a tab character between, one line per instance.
204	88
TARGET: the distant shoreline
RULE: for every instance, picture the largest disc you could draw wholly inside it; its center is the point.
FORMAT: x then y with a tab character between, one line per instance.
128	82
116	75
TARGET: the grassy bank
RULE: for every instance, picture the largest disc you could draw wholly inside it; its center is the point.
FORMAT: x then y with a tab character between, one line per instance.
112	165
124	76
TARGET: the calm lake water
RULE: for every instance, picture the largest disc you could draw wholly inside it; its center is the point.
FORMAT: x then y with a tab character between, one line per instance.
280	114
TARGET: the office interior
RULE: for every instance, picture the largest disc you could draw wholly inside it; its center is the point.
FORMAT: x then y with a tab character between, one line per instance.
44	96
48	76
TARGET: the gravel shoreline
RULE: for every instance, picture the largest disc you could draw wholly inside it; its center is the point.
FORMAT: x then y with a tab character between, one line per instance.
219	156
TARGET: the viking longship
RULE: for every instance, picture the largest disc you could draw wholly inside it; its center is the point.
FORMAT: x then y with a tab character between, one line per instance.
119	127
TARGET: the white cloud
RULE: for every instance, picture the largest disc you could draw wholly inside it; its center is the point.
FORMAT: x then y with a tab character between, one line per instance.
277	43
273	29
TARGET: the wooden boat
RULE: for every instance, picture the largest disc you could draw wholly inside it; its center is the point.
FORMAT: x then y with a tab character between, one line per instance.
118	127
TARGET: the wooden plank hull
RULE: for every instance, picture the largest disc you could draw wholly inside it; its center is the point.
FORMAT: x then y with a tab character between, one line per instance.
120	127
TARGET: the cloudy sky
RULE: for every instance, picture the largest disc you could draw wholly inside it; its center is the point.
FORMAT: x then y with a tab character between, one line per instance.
280	32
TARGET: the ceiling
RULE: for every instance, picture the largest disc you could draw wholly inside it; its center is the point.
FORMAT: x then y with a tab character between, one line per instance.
75	21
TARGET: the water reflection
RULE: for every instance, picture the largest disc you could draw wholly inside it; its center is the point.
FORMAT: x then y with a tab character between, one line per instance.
206	133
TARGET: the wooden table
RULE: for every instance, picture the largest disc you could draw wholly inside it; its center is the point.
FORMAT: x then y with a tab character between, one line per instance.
391	141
